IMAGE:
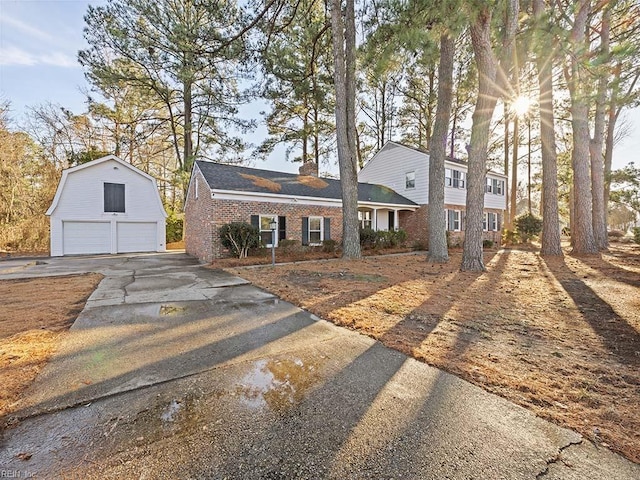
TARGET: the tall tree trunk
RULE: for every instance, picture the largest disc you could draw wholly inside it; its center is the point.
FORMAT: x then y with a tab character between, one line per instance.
514	170
343	32
485	104
188	127
507	217
582	227
609	139
598	208
438	252
551	245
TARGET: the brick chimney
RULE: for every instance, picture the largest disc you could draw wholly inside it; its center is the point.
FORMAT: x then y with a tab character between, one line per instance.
309	168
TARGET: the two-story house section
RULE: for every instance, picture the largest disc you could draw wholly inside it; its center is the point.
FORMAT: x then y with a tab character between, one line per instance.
406	170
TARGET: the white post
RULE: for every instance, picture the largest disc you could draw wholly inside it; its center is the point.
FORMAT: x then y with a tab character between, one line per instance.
375	219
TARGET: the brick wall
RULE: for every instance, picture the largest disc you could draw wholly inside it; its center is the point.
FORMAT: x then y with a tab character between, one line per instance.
415	224
205	215
198	213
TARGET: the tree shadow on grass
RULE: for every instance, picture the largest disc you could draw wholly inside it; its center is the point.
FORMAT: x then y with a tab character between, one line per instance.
618	336
415	327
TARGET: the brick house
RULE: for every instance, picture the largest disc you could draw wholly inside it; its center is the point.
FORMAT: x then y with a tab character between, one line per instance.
305	207
406	170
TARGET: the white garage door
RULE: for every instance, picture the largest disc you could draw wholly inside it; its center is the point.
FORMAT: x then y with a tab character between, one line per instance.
137	237
86	237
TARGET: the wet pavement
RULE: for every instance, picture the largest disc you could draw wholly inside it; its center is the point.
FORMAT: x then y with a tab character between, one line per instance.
177	371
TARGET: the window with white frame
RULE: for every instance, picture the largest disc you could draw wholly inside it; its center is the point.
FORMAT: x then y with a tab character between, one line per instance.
266	235
410	180
454	220
458	179
495	186
454	178
315	230
490	222
365	218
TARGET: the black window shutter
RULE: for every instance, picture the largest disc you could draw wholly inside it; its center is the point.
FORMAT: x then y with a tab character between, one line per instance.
305	230
463	219
255	221
282	228
327	228
499	221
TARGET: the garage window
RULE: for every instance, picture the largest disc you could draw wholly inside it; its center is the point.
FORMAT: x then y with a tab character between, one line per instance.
114	197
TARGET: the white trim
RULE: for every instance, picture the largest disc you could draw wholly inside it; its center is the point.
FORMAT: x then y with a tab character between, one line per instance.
65	175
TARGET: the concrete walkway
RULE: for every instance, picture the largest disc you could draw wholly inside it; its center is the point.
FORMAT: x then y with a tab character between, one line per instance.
173	370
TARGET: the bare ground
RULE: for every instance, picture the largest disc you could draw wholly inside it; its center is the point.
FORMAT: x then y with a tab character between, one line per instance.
559	336
36	313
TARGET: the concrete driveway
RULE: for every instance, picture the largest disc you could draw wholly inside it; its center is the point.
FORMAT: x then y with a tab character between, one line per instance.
177	371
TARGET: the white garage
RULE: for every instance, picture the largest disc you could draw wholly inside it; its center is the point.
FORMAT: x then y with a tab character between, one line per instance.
106	206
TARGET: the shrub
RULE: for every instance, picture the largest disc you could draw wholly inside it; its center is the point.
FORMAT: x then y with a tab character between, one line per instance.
288	246
636	234
329	246
487	243
401	237
527	226
368	237
615	234
174	228
239	237
510	237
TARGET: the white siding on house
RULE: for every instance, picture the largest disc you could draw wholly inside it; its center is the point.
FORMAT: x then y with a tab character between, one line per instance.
389	167
80	198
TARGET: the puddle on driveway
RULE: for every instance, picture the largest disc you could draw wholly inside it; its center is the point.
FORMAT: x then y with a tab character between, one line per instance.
278	384
170	412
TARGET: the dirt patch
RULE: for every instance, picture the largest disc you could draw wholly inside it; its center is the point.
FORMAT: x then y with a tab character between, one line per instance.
558	336
35	314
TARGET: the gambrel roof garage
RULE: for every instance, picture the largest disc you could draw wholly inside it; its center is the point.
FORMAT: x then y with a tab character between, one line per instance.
106	206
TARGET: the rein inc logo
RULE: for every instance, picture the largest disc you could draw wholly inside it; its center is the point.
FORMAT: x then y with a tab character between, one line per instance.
16	474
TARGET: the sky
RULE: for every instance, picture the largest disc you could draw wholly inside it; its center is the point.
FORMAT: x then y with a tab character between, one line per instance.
39	41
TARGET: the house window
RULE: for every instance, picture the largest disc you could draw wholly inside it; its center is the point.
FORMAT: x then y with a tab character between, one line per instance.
114	197
410	180
454	178
494	186
195	190
365	218
490	222
454	220
458	179
315	230
266	236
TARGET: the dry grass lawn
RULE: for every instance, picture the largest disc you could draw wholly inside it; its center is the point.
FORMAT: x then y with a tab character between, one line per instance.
35	314
558	336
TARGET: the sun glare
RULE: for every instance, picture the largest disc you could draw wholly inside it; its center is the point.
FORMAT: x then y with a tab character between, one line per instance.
521	105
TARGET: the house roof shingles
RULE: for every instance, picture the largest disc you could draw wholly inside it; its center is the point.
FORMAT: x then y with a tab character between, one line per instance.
221	176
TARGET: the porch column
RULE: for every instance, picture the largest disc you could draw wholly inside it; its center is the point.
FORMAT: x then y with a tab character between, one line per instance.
374	220
396	219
